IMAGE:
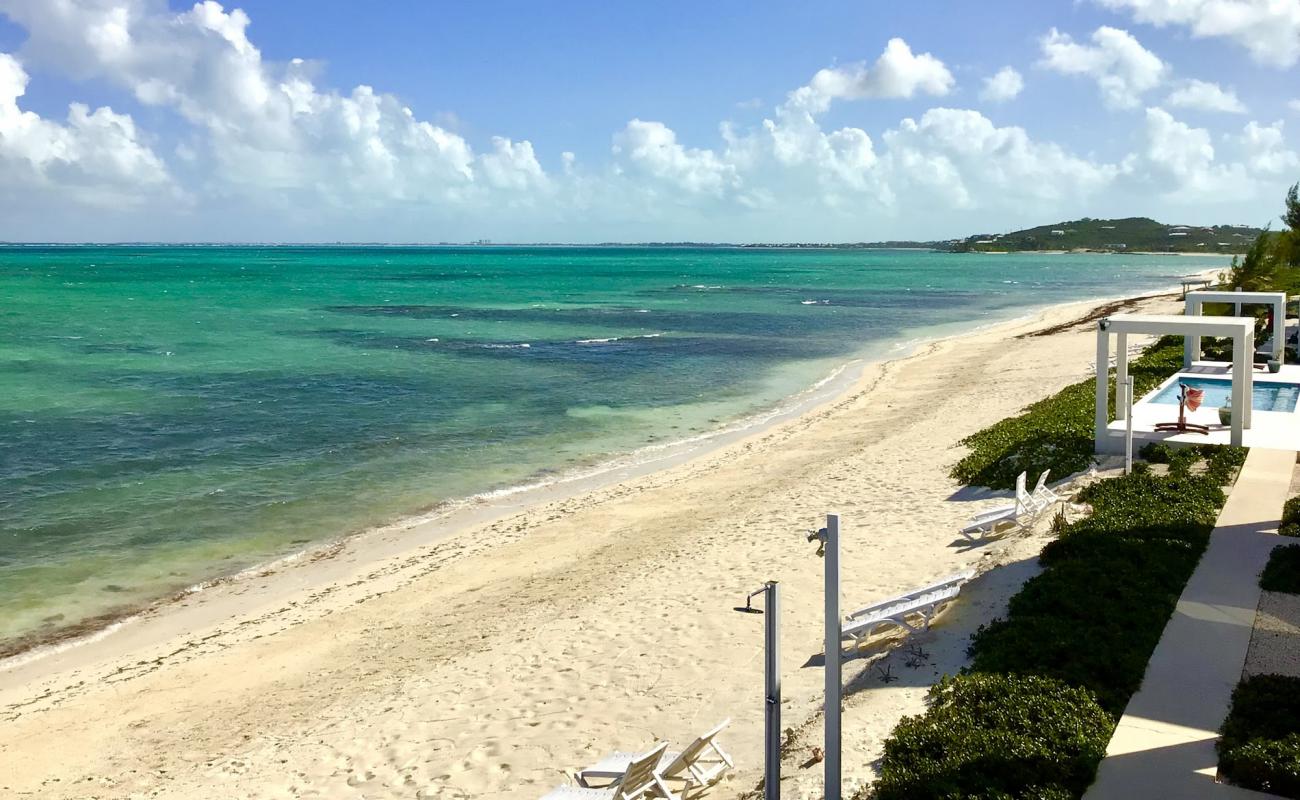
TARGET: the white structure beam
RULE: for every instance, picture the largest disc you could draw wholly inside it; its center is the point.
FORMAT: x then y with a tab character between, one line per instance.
1240	329
1193	305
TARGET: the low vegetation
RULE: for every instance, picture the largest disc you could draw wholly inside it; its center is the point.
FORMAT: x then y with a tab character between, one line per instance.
1290	518
1259	746
1282	573
1075	641
997	736
1055	433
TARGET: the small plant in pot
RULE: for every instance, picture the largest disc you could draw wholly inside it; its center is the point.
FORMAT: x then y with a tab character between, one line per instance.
1225	412
1274	365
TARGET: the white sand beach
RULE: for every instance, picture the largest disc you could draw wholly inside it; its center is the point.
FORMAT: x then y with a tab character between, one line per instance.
489	662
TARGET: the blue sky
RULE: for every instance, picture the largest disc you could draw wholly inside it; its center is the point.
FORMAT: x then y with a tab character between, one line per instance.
598	121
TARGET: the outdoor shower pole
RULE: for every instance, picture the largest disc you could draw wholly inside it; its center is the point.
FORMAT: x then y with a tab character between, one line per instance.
772	687
832	591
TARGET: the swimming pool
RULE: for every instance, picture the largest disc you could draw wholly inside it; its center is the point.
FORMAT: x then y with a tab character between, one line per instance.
1266	397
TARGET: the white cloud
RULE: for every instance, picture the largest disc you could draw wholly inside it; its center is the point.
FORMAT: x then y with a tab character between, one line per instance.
269	127
897	73
1265	149
96	157
1206	96
960	155
512	165
1005	85
1294	105
653	148
1181	161
1122	67
1269	29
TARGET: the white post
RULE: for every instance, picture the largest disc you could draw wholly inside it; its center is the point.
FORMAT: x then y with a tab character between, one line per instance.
1241	369
1102	416
1191	342
1279	330
772	692
1121	374
1248	390
1128	425
832	736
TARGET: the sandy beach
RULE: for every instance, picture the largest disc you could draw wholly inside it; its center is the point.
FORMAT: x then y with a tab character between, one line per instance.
490	658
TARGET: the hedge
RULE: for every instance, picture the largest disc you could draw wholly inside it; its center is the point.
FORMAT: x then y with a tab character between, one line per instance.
1259	746
1290	518
1079	634
1282	573
1055	433
997	736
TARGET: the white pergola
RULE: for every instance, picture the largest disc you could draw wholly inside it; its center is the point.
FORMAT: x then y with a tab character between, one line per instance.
1194	301
1240	329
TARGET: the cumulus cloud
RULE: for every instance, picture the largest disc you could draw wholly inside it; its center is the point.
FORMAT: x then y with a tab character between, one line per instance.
897	73
1269	29
270	127
1002	86
959	154
1265	149
1206	96
1123	69
96	156
653	148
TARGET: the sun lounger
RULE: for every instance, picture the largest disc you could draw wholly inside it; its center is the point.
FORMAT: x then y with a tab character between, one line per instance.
701	763
1018	514
1043	495
639	779
911	612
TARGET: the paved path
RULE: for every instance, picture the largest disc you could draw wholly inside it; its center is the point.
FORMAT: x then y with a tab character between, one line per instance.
1164	744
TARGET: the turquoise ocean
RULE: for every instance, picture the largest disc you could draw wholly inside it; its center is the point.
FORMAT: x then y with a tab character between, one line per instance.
172	414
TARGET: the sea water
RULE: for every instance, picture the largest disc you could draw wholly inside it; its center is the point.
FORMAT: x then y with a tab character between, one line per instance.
169	414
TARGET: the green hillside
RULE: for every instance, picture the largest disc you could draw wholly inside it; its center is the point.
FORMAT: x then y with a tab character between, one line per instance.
1117	235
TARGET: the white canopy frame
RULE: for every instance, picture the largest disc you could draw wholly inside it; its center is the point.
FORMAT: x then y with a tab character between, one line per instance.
1240	329
1195	301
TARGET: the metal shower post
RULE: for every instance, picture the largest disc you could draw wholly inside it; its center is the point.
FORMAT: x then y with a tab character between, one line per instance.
772	691
830	551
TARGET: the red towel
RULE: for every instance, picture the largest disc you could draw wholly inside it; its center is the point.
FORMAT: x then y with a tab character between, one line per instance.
1194	397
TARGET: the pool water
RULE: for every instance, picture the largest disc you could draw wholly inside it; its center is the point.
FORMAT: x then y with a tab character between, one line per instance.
1266	397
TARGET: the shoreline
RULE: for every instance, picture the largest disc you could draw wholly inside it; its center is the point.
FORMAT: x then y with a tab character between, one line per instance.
485	663
455	515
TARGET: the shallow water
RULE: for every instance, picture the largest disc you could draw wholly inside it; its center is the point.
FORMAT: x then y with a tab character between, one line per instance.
173	413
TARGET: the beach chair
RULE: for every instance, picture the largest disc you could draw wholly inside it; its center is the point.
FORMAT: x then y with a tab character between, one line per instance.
1188	399
639	779
1044	496
911	611
1019	514
701	763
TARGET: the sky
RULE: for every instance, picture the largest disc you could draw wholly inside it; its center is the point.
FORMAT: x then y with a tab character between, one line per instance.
565	121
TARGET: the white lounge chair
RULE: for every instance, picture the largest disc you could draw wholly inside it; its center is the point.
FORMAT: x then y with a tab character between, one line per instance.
1045	496
701	763
639	779
1019	514
912	611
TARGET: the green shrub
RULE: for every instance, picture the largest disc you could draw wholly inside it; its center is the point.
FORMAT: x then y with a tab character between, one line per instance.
996	736
1055	433
1259	746
1089	622
1291	510
1282	573
1141	468
1156	452
1290	529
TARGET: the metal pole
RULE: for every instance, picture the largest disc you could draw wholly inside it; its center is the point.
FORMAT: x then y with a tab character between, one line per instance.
772	681
832	592
1128	425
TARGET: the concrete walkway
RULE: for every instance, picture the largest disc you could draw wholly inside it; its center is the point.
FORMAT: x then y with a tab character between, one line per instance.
1164	744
